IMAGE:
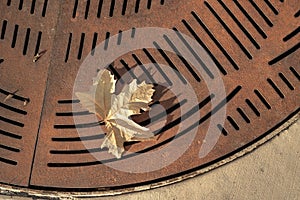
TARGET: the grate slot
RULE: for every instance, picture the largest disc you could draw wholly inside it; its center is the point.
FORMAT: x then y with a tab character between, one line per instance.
112	8
157	66
251	20
209	73
15	35
12	122
212	37
26	41
38	43
3	29
1	60
270	5
249	36
183	60
222	129
44	8
115	73
95	37
75	9
274	86
32	7
233	123
262	99
243	115
286	81
16	110
137	6
81	45
70	114
129	70
253	107
106	40
7	161
292	34
99	8
78	139
284	54
261	13
8	2
119	38
297	14
20	5
12	149
11	135
190	29
149	4
68	48
232	35
87	8
124	7
76	126
295	73
170	63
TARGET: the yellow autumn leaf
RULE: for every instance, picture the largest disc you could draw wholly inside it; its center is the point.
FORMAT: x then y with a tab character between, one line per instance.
115	110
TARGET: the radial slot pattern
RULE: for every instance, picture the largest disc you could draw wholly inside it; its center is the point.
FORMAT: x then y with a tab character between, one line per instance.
253	45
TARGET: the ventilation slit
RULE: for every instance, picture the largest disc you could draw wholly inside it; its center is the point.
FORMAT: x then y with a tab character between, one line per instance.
119	38
68	47
133	32
99	8
222	129
286	81
285	54
297	14
208	72
242	47
266	19
296	74
262	99
274	86
188	66
233	123
13	43
3	30
16	110
7	161
32	7
11	122
81	46
87	8
274	10
112	69
137	6
106	40
44	8
38	43
170	63
149	4
157	66
9	148
112	7
129	70
146	72
26	41
21	4
219	66
253	108
243	115
11	135
94	43
75	9
249	36
292	34
212	37
254	24
124	7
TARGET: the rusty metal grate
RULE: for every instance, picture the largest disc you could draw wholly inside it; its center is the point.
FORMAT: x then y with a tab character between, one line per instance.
254	45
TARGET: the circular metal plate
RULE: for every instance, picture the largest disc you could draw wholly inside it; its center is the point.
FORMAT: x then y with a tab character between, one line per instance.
251	47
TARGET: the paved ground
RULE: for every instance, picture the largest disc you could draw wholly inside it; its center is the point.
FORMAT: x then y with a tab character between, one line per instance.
270	172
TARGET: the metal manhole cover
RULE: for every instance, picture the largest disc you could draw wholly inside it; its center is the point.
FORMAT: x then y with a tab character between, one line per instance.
253	48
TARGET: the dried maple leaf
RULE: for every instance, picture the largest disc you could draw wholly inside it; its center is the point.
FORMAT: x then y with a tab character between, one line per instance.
115	110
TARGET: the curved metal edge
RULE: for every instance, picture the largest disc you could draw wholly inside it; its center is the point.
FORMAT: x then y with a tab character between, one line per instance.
46	194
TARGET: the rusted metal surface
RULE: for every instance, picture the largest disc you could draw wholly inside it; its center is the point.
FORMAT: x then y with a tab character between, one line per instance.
254	45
